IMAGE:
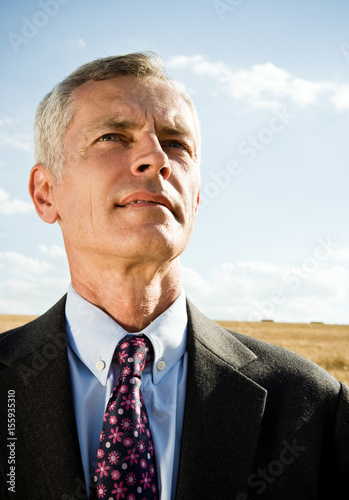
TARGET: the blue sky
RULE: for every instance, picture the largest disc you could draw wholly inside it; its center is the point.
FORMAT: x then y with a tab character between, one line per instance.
270	81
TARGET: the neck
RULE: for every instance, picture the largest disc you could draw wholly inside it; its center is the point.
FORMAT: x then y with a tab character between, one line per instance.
133	297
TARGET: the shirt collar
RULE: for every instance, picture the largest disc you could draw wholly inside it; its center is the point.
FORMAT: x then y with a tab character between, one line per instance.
94	335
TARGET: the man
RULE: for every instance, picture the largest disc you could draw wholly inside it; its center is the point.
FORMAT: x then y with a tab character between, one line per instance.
117	146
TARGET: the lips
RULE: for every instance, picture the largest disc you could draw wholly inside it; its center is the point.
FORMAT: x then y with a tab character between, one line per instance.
137	201
145	198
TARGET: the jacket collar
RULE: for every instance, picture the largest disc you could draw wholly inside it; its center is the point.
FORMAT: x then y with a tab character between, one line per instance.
223	413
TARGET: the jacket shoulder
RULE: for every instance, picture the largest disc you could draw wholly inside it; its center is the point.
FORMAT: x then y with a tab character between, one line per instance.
19	342
261	360
277	366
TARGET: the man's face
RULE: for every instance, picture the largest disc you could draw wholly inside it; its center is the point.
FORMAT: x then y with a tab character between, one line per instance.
130	183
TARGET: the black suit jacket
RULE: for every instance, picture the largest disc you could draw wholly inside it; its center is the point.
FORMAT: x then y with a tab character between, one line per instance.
259	423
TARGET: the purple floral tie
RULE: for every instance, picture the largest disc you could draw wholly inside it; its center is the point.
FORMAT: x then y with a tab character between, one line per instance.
126	465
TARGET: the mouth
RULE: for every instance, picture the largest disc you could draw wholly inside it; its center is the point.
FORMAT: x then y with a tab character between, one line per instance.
136	202
145	200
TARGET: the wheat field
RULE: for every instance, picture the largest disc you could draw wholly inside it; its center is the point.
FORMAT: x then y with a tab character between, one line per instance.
326	345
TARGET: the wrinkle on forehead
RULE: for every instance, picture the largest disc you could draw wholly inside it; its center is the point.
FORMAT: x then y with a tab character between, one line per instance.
133	103
142	92
121	120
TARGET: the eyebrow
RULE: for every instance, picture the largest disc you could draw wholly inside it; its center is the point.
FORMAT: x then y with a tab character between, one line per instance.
178	129
115	124
112	123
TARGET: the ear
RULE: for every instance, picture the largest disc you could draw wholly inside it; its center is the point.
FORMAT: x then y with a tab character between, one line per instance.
41	183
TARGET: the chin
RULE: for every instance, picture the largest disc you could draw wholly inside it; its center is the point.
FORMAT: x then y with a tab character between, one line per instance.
155	247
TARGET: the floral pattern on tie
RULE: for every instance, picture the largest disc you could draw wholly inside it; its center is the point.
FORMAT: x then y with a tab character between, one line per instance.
126	467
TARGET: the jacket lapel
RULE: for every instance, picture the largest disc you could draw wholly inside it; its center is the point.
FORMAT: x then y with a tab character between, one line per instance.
46	430
223	414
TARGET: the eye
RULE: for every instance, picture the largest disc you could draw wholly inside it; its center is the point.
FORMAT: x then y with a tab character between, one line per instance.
178	145
175	144
108	137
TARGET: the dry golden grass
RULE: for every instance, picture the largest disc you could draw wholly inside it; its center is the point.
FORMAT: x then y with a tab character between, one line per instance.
326	345
9	321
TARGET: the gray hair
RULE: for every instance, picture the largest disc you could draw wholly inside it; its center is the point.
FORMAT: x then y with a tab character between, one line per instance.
55	112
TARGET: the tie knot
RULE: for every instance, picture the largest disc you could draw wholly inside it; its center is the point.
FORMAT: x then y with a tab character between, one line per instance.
132	354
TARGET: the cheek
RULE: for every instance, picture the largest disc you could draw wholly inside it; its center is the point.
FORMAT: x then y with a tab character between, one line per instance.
74	202
107	160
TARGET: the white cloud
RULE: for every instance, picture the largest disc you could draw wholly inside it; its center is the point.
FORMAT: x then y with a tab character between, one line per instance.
262	85
23	265
314	290
32	285
12	206
14	306
5	120
196	281
18	285
17	140
341	254
52	250
341	98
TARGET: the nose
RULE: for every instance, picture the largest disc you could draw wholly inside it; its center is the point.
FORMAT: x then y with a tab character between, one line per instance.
150	158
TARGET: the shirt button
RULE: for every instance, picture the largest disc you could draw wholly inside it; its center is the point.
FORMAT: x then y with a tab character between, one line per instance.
161	365
100	365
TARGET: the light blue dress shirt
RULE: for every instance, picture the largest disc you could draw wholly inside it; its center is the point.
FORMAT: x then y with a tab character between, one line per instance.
92	338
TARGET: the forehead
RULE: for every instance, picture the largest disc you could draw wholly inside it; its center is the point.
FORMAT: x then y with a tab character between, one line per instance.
128	97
